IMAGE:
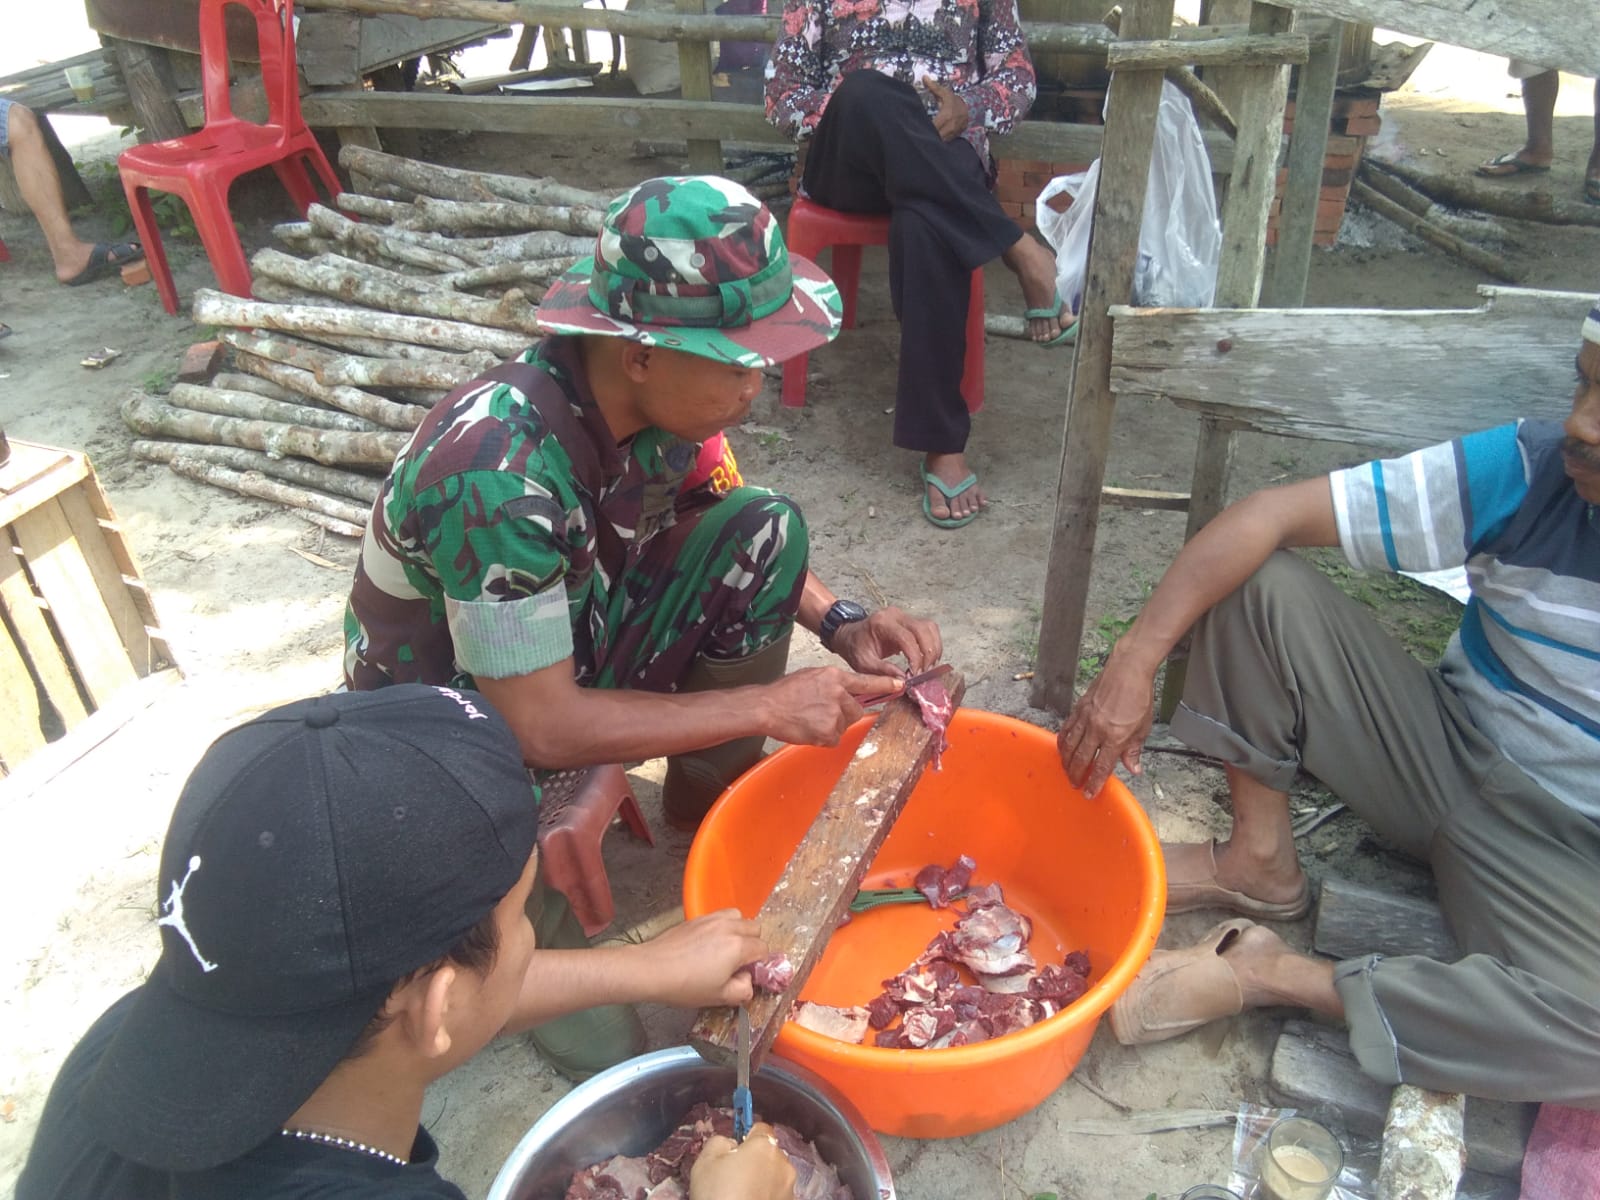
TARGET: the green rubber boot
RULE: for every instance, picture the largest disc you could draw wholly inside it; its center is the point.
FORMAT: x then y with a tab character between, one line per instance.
584	1043
695	780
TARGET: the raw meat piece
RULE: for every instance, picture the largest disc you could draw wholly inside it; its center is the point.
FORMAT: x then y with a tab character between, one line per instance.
936	708
983	897
1061	985
942	885
663	1174
926	1024
772	974
882	1010
993	941
841	1024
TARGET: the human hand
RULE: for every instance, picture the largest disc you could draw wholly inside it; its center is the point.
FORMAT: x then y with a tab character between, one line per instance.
951	117
814	706
753	1170
868	645
1109	722
699	962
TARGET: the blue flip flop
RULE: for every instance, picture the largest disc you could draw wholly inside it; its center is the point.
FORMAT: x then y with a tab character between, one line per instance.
949	493
1053	313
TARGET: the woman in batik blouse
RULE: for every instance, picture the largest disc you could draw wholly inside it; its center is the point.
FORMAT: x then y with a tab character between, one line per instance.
893	104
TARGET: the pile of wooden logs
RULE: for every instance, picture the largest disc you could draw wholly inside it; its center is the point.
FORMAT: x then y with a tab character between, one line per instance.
360	326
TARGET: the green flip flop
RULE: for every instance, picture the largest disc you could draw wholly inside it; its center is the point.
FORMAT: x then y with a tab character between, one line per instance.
949	493
1053	313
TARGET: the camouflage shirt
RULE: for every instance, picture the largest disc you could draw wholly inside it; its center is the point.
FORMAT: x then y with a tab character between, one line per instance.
500	528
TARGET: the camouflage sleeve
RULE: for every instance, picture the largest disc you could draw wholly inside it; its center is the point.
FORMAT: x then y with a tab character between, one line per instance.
797	76
496	546
1003	92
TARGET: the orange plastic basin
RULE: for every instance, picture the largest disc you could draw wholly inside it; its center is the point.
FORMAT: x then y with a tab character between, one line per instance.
1089	873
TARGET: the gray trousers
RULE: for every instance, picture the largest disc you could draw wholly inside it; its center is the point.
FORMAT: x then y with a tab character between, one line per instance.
1287	674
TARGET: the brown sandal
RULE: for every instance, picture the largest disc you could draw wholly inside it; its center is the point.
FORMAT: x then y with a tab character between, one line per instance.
1181	990
1192	885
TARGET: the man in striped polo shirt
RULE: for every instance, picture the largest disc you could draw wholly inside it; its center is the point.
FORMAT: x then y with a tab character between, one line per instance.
1486	767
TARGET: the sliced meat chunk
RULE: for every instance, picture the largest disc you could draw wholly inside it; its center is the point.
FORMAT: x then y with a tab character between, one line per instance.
841	1024
772	974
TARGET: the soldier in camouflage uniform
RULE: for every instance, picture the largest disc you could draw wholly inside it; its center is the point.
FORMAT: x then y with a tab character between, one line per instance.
535	541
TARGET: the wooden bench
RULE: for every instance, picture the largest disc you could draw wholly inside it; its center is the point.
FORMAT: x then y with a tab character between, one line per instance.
44	90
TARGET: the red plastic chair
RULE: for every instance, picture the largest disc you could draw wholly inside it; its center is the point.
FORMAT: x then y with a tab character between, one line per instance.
812	229
5	255
201	167
575	810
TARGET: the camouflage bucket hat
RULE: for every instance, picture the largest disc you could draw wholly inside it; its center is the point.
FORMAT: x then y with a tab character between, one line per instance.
698	264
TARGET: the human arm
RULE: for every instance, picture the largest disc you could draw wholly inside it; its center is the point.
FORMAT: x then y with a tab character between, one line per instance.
1112	718
697	963
797	77
755	1169
560	724
868	645
1004	87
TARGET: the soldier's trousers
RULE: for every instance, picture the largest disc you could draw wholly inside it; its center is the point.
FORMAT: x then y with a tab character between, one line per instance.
1289	673
876	151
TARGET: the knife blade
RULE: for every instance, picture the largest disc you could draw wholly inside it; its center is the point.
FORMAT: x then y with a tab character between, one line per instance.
743	1107
909	682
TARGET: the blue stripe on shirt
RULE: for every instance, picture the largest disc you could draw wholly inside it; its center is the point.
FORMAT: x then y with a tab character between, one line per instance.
1384	525
1487	663
1539	639
1496	480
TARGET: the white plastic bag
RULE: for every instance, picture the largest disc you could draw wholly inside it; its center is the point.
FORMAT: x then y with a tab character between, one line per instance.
1180	240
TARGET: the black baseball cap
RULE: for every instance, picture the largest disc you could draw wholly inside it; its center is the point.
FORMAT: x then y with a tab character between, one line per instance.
317	855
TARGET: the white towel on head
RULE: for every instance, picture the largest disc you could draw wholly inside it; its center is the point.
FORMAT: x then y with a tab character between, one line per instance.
1591	324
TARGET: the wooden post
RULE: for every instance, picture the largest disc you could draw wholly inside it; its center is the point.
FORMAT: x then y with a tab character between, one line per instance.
1308	148
694	75
151	89
1130	133
1262	93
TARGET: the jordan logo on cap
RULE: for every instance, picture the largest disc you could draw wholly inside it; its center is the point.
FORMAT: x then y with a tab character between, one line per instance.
173	917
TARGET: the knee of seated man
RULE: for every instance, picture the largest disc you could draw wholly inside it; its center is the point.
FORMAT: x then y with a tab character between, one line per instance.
752	513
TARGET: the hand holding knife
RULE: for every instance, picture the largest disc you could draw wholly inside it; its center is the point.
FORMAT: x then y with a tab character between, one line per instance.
906	684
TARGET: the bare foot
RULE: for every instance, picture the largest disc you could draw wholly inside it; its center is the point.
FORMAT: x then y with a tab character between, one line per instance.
1261	877
1035	268
1270	973
951	470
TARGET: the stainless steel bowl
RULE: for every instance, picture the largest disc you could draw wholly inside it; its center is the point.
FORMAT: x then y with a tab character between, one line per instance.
631	1108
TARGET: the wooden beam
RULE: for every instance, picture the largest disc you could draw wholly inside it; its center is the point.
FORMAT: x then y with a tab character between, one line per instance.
1354	919
1388	379
1255	50
1547	32
594	116
1285	286
151	89
1113	251
694	83
671	27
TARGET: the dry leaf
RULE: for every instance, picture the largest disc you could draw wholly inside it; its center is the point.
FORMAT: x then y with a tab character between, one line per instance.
8	1110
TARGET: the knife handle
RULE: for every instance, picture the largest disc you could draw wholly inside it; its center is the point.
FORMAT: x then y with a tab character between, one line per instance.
744	1117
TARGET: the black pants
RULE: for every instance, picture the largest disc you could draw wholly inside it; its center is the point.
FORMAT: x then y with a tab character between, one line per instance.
874	151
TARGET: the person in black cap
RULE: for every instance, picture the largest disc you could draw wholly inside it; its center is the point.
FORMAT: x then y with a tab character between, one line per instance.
342	921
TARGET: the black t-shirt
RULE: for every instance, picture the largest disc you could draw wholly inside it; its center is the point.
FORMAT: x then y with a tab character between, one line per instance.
67	1163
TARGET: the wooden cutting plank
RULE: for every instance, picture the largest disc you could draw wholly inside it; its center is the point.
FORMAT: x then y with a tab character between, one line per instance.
825	872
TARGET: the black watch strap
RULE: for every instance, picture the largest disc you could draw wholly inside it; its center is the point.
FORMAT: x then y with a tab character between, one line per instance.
843	612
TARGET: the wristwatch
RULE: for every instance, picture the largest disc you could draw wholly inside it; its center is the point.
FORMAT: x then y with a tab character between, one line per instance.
843	612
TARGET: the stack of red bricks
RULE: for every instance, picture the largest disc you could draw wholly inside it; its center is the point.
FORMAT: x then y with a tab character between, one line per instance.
1022	179
1355	119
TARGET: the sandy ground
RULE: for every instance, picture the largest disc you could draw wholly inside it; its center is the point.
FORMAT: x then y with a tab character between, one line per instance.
253	624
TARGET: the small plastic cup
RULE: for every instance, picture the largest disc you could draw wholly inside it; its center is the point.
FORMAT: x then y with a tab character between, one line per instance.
1210	1191
1301	1160
81	83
